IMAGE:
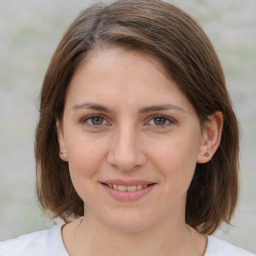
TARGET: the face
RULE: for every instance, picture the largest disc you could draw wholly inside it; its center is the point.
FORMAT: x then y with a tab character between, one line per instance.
131	139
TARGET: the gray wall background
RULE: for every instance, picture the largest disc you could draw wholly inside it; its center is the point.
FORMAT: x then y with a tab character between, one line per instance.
29	33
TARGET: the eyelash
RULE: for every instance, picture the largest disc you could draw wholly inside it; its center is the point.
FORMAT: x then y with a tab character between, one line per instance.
167	119
86	119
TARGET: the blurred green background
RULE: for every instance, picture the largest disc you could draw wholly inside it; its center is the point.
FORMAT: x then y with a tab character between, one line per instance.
30	31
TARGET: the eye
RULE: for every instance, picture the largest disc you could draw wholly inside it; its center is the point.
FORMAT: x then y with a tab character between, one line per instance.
95	121
161	121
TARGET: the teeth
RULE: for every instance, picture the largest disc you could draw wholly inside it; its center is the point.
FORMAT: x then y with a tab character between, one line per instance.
127	188
139	187
131	188
122	188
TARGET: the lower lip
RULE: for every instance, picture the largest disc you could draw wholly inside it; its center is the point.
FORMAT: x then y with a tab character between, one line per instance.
126	196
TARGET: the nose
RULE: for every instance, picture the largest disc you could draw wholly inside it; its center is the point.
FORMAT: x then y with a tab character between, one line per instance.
126	150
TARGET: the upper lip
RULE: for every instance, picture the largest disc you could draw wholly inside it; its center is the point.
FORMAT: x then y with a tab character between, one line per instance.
127	182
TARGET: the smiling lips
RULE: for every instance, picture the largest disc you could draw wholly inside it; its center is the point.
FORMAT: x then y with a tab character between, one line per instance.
127	191
126	188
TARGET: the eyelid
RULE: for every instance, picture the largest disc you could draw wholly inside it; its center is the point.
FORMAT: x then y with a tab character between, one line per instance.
84	120
169	119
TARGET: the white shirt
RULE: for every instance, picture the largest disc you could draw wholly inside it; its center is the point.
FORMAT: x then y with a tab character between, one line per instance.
49	243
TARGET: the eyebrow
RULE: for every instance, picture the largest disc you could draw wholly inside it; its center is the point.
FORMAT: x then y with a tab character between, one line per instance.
152	108
91	106
161	107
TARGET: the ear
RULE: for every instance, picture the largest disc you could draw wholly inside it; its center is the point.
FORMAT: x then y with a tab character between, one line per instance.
62	146
211	137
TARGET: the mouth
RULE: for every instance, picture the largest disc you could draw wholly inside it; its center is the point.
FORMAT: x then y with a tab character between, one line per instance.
124	188
127	190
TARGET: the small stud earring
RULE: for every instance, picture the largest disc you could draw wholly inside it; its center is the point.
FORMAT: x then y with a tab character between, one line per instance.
62	153
206	154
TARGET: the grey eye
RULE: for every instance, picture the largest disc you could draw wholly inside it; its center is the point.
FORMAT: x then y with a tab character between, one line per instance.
160	121
96	120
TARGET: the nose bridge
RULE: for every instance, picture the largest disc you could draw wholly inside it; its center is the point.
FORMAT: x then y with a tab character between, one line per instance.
126	151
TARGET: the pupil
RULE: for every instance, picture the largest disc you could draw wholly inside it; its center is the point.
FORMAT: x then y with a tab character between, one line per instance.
97	120
160	121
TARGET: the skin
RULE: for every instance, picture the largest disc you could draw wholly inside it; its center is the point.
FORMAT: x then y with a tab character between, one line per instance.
127	140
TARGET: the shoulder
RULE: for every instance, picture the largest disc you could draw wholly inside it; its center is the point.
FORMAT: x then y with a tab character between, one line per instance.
220	247
40	243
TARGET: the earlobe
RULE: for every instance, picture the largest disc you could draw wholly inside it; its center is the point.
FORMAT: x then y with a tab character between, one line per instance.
211	137
62	146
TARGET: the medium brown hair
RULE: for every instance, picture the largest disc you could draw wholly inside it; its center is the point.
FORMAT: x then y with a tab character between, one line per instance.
172	36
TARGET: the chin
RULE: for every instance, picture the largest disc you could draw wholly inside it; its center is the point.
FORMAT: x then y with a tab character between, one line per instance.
129	222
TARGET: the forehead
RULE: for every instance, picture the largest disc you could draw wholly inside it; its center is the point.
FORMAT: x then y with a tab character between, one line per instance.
123	75
107	56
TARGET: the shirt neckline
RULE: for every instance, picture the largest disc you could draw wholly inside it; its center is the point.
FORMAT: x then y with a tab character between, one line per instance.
56	244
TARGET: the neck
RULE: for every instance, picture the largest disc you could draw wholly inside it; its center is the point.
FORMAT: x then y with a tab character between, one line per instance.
91	237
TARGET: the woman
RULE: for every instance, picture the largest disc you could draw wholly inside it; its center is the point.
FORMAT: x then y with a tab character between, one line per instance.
137	142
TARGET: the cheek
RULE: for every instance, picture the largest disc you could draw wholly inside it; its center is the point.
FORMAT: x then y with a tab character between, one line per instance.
175	159
84	150
85	157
